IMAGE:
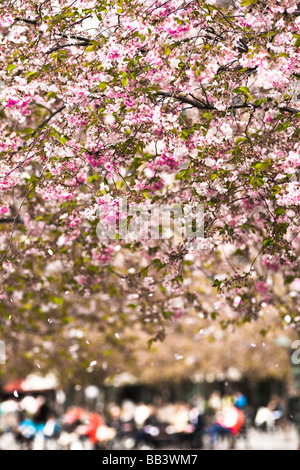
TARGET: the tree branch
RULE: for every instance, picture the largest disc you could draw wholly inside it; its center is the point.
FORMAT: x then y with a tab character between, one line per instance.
9	220
48	119
26	20
186	100
200	105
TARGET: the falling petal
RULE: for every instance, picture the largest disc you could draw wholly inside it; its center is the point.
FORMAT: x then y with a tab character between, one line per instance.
178	357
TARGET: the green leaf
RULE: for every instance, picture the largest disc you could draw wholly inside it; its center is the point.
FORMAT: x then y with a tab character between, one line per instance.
51	94
57	300
207	116
167	314
125	81
268	242
259	182
245	89
217	283
282	227
11	67
60	52
260	166
279	211
241	139
184	134
259	102
28	130
214	315
297	36
245	3
92	123
103	85
275	190
93	178
92	47
31	75
183	174
282	127
54	133
242	89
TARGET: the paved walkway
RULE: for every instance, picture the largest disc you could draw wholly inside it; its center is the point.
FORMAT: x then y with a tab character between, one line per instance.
257	440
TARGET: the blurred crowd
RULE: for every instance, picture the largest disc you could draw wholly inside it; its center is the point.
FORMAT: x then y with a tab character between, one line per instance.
34	423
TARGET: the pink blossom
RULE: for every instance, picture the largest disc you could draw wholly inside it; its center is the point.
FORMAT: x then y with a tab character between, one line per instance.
271	263
261	287
11	102
103	255
4	210
130	102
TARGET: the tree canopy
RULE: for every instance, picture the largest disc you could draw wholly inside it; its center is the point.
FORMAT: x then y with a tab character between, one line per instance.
162	104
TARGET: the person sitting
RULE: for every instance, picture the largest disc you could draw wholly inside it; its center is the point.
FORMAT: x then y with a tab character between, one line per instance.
229	422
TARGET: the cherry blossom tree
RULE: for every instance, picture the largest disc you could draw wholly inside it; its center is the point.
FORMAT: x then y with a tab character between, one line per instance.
160	103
